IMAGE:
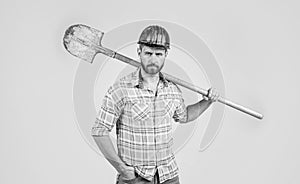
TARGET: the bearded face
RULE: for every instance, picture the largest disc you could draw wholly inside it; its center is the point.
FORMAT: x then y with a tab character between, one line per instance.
152	59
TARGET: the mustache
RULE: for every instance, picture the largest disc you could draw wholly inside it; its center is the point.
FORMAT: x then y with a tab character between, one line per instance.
152	65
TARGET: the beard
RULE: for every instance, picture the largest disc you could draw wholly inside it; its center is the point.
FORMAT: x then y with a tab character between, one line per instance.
152	69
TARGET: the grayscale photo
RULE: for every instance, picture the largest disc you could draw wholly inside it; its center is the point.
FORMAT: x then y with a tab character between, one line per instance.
160	92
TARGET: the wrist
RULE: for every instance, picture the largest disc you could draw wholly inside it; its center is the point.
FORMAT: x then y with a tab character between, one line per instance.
122	168
206	100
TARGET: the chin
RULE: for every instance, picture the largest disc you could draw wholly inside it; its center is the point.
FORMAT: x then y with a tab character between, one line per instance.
152	72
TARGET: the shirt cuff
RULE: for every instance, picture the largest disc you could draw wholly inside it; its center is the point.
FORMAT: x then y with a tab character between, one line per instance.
100	131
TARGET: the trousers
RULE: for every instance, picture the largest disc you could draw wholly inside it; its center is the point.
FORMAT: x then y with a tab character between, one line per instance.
140	180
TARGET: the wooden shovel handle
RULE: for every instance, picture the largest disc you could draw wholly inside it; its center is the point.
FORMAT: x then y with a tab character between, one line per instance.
193	87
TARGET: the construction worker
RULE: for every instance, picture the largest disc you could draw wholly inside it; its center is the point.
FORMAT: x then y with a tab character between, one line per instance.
143	106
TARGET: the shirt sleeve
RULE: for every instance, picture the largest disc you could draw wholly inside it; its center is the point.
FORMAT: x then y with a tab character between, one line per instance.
108	114
180	114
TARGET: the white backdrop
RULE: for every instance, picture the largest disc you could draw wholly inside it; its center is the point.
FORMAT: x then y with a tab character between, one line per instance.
256	44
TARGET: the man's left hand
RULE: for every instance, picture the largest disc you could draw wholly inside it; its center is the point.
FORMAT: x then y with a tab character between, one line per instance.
212	95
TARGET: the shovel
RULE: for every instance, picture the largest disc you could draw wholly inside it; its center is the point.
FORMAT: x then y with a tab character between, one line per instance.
84	42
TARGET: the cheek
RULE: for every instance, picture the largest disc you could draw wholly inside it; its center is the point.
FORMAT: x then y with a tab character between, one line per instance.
144	59
161	61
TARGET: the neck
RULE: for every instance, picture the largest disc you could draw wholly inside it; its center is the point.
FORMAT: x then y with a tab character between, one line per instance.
149	78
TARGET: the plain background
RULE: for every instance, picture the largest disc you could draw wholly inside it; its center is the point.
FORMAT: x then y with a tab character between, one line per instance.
256	44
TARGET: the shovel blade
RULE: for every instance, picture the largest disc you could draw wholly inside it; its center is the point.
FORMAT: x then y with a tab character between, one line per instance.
82	41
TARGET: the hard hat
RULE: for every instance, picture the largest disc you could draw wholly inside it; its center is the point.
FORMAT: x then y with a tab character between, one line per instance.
155	35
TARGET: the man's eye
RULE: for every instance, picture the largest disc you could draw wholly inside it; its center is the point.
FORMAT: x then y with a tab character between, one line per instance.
148	53
158	54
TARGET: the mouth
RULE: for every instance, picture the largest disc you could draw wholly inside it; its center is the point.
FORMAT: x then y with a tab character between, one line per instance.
153	66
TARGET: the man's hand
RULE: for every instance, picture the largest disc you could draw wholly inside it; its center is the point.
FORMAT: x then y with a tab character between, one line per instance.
212	95
195	110
128	173
107	148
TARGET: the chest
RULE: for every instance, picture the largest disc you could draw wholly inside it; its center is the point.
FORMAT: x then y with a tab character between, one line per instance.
148	105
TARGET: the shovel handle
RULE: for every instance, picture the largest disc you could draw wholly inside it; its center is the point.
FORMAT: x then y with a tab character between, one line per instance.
189	86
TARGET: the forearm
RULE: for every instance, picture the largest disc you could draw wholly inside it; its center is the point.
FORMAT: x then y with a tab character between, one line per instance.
106	147
195	110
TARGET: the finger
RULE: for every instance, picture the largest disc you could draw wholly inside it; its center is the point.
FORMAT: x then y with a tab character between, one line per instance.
215	95
218	96
209	93
214	98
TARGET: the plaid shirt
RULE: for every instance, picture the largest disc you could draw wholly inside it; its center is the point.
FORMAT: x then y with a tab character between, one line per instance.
143	121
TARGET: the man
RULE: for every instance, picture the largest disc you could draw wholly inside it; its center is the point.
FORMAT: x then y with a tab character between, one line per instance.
143	105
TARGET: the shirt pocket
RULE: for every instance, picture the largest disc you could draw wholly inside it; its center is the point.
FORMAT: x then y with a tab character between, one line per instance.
140	111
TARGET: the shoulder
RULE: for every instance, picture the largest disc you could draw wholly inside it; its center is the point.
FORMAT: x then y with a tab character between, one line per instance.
121	85
126	81
127	78
174	87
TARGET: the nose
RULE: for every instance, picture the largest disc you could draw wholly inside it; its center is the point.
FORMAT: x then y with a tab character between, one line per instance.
154	58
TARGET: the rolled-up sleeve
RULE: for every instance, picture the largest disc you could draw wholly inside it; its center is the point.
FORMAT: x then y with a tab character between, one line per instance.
107	115
180	114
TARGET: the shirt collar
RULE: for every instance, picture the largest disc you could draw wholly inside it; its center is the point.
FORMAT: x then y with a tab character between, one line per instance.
137	79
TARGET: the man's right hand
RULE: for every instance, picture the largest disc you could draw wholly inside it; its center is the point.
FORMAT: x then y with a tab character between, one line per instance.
128	173
108	150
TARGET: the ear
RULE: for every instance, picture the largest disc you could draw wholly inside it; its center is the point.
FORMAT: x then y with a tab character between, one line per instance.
138	50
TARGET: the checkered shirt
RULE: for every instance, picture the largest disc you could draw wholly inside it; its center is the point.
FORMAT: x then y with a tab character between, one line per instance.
143	120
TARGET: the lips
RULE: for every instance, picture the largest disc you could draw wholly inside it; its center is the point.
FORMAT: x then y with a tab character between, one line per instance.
152	66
